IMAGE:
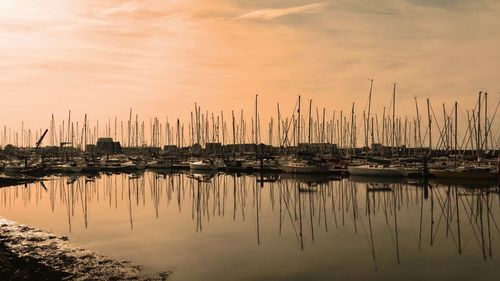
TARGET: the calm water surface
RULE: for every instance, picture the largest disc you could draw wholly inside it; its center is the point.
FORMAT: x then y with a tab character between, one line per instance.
228	227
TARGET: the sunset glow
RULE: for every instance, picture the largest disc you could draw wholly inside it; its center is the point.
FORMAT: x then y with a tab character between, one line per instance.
160	57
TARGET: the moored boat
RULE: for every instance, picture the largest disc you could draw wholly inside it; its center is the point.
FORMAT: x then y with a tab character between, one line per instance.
303	167
68	168
159	165
466	172
205	164
377	170
14	168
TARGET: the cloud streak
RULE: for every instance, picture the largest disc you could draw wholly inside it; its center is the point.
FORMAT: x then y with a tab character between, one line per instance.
271	14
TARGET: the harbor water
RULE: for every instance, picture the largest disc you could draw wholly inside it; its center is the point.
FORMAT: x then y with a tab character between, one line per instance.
239	227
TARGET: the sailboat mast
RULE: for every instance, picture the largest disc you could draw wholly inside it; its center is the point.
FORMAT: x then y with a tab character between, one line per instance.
393	117
310	121
279	126
256	121
368	116
486	120
298	125
430	125
85	132
456	131
418	125
478	124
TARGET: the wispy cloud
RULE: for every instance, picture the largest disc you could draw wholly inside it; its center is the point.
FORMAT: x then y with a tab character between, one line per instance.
124	8
270	14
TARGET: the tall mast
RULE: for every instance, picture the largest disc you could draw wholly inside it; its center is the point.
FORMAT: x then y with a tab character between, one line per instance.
479	123
279	126
430	125
298	125
137	130
69	126
129	128
368	116
418	125
393	117
340	135
456	131
353	129
383	129
234	131
323	127
256	121
486	120
310	121
222	125
85	132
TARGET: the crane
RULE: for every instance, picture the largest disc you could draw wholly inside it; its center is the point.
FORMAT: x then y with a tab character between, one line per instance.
39	142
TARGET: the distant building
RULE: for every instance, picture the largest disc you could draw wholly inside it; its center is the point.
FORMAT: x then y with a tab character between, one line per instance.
170	149
213	147
104	146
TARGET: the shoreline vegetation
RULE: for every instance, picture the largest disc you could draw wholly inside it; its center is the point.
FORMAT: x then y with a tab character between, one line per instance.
29	253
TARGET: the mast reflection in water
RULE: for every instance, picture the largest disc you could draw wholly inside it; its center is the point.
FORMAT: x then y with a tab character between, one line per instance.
225	227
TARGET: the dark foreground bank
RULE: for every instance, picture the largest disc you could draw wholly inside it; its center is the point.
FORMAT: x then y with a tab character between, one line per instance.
28	253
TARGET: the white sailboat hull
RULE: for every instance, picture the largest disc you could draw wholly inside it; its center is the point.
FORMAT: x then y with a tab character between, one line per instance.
202	166
303	169
376	171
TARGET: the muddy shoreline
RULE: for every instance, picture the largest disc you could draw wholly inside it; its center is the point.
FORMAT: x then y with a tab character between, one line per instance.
29	253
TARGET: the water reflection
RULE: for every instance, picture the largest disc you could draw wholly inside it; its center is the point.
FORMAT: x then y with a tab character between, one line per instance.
394	222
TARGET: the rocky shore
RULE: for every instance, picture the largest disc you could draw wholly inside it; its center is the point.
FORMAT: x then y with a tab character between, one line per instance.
28	253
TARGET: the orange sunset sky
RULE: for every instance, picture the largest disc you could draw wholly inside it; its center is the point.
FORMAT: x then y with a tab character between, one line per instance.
102	57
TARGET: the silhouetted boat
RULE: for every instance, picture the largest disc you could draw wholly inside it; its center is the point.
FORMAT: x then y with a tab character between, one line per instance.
375	170
205	164
68	168
14	168
159	165
466	172
303	167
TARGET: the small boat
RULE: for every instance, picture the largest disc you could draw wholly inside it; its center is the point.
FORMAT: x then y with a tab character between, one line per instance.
118	165
68	168
159	165
38	170
14	168
303	167
414	170
90	167
466	172
205	164
377	170
235	165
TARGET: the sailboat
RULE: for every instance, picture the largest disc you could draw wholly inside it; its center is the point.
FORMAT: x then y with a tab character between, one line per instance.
377	170
297	166
205	164
14	167
68	168
469	172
